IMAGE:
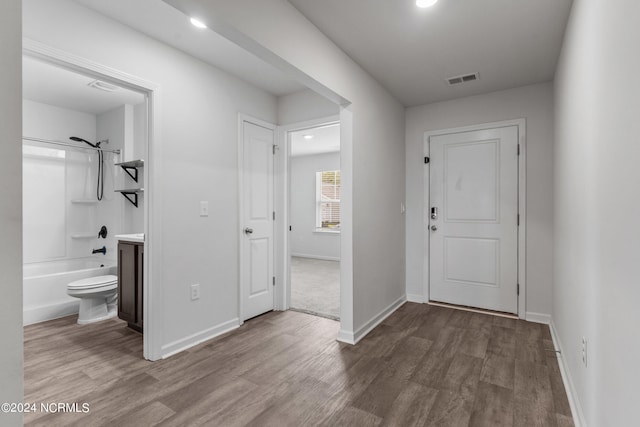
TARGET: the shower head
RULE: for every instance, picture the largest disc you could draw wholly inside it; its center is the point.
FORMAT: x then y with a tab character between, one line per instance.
75	138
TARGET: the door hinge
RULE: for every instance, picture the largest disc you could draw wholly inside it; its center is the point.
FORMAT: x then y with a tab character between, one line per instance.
274	280
275	147
426	160
518	287
518	149
518	220
289	228
274	215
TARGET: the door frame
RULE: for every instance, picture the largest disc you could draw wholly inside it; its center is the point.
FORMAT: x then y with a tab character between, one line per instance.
283	193
242	118
152	270
522	200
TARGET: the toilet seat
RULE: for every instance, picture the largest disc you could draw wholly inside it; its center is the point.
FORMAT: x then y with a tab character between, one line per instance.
93	282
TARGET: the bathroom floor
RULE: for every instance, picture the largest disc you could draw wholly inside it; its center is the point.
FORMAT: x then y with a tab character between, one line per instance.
424	365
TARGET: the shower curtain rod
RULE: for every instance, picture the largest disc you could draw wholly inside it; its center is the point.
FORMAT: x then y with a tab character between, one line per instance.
67	144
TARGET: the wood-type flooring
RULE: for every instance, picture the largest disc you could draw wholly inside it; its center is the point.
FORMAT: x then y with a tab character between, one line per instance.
424	365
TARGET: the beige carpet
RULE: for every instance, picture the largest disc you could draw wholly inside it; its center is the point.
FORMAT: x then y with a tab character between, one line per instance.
315	286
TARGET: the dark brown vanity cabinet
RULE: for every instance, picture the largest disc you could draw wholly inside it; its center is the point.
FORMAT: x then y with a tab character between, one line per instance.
130	279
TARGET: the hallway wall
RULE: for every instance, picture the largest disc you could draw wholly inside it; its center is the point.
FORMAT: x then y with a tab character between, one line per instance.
535	104
597	182
372	235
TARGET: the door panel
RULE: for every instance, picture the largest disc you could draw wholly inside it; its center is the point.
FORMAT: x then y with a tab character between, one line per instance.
474	238
257	239
472	181
485	253
259	263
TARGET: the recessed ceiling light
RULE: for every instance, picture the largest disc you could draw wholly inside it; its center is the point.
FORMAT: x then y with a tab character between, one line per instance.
426	3
197	23
307	136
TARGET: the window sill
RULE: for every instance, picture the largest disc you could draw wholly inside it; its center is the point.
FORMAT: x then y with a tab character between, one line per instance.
326	231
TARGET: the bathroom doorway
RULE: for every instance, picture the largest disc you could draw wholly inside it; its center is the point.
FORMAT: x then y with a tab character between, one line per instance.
81	122
314	219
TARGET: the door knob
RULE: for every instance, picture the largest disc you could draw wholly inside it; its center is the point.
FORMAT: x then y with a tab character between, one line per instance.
248	230
434	228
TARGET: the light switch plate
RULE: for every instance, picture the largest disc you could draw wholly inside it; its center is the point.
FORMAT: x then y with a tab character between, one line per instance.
195	291
204	208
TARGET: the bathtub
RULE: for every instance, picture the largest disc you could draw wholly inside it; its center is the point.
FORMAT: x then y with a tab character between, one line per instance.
45	286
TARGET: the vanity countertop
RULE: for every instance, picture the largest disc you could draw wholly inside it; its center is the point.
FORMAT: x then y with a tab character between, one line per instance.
139	237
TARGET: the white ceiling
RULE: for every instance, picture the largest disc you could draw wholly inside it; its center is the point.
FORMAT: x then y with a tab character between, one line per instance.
49	84
161	21
411	51
326	139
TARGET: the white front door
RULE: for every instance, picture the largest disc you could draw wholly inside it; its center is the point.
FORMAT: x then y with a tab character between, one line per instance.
257	262
473	223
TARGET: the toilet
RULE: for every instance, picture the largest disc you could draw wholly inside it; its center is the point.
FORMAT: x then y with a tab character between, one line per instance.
98	298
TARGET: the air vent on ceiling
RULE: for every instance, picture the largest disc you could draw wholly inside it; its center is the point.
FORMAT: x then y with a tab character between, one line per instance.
107	87
463	79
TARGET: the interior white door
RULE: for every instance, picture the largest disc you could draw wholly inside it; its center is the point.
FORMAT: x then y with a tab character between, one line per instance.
257	220
473	223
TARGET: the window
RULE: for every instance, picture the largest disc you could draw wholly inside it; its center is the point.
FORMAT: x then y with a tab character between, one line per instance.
328	200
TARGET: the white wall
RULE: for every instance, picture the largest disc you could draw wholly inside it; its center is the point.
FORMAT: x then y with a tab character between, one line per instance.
597	236
372	138
197	145
535	104
304	105
114	210
11	366
305	240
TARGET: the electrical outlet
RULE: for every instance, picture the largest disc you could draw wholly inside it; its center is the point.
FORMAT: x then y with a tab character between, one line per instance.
584	351
204	208
195	292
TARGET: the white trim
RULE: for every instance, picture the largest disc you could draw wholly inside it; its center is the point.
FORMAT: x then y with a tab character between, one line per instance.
182	344
346	337
349	338
538	317
153	296
522	199
242	118
572	395
49	312
416	298
283	249
320	231
326	258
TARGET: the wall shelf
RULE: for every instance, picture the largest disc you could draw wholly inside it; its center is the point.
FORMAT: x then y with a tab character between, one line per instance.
131	195
131	168
84	201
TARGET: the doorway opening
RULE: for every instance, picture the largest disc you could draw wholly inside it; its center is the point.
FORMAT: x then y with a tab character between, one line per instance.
314	219
86	129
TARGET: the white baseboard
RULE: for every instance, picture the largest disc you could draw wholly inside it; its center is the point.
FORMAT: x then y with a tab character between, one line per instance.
326	258
49	312
197	338
354	338
572	395
416	298
346	337
538	317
